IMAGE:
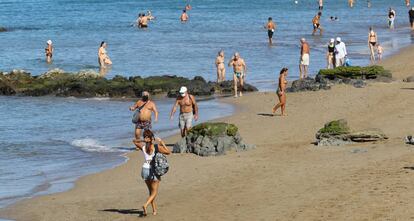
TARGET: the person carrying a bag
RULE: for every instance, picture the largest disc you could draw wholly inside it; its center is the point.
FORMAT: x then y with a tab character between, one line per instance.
143	111
151	169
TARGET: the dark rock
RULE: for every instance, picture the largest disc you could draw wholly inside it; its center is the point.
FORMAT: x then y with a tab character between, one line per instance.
308	84
227	87
409	140
370	135
5	89
211	139
409	79
3	29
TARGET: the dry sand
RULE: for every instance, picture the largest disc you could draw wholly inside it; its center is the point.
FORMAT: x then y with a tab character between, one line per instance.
284	178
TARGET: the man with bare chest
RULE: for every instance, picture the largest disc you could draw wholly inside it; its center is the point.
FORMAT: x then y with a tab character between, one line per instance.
239	68
147	107
188	110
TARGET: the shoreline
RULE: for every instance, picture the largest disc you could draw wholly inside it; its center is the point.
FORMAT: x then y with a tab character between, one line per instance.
241	108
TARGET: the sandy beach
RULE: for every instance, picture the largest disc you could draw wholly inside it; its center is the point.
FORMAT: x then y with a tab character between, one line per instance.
284	178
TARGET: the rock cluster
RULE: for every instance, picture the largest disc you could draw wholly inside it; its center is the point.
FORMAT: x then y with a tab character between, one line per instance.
3	29
88	83
356	76
337	133
211	139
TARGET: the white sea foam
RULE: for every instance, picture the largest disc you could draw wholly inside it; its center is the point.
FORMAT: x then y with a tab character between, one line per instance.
91	145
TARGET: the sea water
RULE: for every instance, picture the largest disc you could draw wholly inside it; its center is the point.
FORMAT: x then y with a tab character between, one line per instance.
46	143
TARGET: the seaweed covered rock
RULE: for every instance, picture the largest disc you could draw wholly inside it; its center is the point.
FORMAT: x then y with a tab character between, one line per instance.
3	29
211	139
308	84
356	72
227	87
337	133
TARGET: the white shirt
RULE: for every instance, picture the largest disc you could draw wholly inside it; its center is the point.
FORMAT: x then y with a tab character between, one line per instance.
147	158
340	50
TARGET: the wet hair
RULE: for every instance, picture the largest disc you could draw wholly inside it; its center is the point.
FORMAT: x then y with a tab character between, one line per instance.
270	18
319	13
148	133
283	70
102	43
220	51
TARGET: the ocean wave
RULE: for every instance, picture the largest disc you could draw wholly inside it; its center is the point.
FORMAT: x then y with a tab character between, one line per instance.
92	145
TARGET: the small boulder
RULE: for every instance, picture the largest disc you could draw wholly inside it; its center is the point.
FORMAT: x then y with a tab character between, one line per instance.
409	79
3	29
370	135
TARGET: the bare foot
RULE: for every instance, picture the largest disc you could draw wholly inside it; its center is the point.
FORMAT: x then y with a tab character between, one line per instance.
154	213
144	208
283	115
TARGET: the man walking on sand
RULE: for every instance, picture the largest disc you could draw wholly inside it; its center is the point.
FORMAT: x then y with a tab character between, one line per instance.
304	59
188	110
340	52
146	108
239	69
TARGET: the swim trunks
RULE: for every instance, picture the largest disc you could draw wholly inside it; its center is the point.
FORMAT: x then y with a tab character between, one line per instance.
270	33
316	26
304	60
238	74
185	120
143	125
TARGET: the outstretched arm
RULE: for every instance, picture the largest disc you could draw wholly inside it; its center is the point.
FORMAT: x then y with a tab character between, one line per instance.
174	109
138	144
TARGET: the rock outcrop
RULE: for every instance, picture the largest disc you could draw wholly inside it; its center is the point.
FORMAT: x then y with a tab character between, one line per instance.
356	76
88	83
211	139
3	29
337	133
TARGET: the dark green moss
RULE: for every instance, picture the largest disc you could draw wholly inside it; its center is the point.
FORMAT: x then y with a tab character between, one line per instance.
335	127
214	129
356	72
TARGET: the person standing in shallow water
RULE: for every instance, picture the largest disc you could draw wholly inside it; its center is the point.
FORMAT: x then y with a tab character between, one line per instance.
316	21
351	3
184	16
152	181
320	5
103	57
372	42
147	108
281	92
304	58
188	110
221	69
411	17
330	55
271	26
239	68
49	51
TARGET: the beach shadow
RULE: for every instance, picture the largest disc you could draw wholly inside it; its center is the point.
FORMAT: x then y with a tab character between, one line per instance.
407	88
408	168
140	213
266	114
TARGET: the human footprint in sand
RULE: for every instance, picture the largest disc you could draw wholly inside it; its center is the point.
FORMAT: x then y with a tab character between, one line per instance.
148	148
281	92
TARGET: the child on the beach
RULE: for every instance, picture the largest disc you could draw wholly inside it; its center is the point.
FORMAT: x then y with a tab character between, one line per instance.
380	50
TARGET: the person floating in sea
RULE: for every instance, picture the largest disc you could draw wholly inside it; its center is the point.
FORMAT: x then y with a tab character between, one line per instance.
411	17
316	23
188	110
49	51
340	52
221	69
184	16
407	3
380	51
391	18
281	92
150	16
351	3
320	5
149	148
372	42
330	55
334	18
270	26
369	3
188	7
103	57
146	107
239	69
304	58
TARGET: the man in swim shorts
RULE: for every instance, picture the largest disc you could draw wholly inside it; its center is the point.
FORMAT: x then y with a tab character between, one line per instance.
316	23
188	110
239	68
271	26
304	58
147	107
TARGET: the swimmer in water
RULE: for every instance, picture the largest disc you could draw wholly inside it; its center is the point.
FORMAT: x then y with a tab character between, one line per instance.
351	3
316	23
103	57
391	18
270	26
184	16
188	7
150	16
49	51
320	5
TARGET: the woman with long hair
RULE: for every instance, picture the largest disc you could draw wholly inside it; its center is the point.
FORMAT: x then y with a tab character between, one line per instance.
281	92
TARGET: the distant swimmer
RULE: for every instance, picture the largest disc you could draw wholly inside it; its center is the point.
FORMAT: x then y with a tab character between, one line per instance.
281	92
407	3
103	57
150	16
239	69
184	16
49	51
320	5
372	42
351	3
188	7
330	55
391	18
411	16
304	58
334	18
271	27
369	3
316	23
143	21
380	51
221	69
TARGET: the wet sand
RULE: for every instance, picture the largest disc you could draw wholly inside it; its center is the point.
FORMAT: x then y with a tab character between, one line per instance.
284	178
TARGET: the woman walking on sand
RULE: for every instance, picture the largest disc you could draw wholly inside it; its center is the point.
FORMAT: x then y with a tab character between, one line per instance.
149	150
221	69
372	42
281	92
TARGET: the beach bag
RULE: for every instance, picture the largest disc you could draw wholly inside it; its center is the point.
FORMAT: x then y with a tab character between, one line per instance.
159	163
135	117
347	62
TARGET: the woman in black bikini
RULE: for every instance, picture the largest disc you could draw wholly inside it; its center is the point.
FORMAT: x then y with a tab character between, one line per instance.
281	92
372	42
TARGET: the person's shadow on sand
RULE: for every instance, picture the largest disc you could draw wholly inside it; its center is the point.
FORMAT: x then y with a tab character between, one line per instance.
267	115
408	168
140	213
